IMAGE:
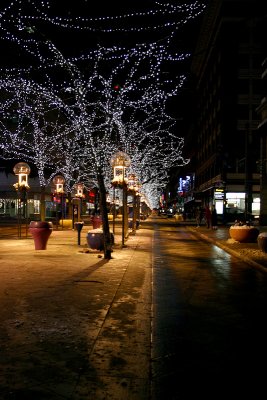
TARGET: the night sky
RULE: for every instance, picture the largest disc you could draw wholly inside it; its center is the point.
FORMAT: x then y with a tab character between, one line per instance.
72	42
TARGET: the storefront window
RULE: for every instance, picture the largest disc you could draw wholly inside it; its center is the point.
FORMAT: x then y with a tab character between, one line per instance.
235	201
256	205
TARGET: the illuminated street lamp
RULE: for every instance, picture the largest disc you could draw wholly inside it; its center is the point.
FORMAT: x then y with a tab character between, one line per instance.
77	203
119	162
132	180
79	190
22	170
59	181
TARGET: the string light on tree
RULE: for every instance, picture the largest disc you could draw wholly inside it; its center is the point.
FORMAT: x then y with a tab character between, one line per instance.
70	114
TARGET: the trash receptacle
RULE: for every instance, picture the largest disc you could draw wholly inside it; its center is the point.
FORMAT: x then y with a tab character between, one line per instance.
262	241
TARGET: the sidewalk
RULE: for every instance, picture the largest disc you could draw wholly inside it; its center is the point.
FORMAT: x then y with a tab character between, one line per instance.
249	252
74	326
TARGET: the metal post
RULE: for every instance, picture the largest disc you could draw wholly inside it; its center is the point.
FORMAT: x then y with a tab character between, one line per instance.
26	212
62	211
19	215
123	212
114	210
57	211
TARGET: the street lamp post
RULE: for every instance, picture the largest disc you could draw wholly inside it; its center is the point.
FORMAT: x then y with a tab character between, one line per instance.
59	181
133	190
79	197
120	161
114	210
22	170
77	210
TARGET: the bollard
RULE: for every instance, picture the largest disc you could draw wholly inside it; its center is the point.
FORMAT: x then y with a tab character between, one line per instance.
78	227
262	242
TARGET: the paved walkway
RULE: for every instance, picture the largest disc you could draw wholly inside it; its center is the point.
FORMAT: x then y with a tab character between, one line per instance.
61	309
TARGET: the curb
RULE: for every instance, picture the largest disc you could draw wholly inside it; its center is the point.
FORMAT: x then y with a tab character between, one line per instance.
246	259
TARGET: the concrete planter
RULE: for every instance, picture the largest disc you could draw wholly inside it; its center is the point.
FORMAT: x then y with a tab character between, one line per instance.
262	242
40	231
95	239
244	234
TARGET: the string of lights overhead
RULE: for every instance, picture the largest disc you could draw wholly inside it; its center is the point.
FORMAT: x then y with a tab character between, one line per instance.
69	113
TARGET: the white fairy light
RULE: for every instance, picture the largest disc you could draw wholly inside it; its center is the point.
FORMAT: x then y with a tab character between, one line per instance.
68	118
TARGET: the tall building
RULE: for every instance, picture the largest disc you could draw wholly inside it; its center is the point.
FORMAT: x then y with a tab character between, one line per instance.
262	110
224	138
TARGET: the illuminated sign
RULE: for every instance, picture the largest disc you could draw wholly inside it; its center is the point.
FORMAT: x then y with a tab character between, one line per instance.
219	194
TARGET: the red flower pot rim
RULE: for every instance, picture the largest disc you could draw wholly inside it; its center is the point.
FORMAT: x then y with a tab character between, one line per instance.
41	224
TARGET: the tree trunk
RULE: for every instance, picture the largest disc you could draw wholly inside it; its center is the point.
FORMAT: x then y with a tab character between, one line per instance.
42	203
104	215
134	213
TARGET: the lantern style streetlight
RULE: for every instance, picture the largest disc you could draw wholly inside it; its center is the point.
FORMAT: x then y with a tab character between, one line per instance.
77	203
59	181
132	180
79	190
22	170
119	162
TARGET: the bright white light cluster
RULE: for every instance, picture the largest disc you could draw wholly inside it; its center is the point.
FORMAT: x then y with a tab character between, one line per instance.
43	11
70	115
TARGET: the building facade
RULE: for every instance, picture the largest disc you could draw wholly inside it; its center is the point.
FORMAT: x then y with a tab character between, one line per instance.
224	138
262	110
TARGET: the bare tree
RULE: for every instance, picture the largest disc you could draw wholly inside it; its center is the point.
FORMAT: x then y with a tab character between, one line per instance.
74	113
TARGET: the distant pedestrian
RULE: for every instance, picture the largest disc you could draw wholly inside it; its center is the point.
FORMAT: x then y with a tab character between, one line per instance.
214	221
208	216
198	215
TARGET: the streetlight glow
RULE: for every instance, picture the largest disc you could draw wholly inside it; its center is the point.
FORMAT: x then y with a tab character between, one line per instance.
22	170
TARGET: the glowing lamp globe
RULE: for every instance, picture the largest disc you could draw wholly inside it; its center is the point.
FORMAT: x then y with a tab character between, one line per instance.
59	181
119	161
22	170
79	189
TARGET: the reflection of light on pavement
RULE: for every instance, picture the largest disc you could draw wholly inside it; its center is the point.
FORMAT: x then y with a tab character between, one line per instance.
221	261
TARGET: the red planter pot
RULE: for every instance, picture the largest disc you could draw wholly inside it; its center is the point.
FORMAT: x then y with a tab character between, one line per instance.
40	231
96	221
